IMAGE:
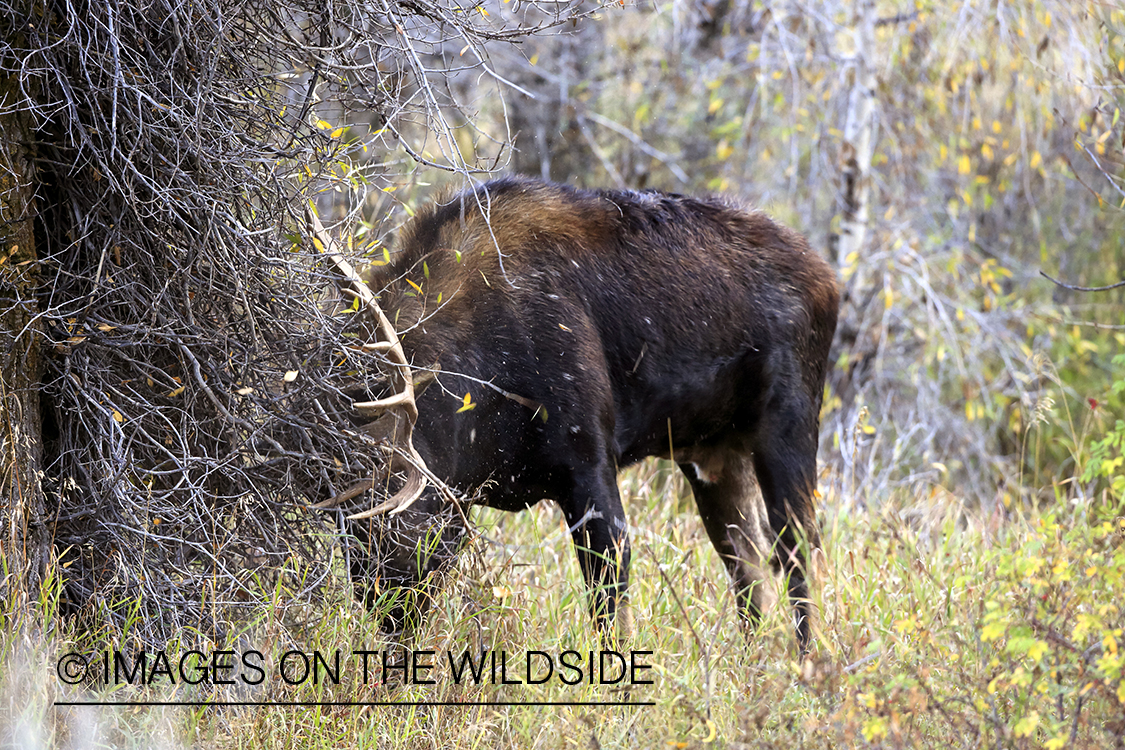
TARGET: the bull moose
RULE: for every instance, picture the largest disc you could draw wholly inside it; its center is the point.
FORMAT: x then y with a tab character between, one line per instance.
592	329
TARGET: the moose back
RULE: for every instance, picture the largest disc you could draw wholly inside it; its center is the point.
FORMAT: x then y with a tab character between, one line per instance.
591	329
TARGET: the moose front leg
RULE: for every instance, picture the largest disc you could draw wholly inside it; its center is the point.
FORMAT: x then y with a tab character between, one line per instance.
601	541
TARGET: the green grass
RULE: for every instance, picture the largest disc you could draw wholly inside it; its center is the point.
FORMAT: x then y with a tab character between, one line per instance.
938	627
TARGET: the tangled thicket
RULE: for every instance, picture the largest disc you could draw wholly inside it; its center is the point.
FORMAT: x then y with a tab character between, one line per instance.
201	367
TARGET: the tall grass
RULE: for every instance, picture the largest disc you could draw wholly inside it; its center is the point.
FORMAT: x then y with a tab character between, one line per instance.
939	627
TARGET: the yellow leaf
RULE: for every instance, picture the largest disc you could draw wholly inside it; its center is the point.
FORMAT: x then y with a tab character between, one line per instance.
337	132
467	403
875	728
245	391
176	392
1025	726
117	416
868	429
534	59
714	106
290	376
964	166
411	283
992	631
723	150
1036	160
888	297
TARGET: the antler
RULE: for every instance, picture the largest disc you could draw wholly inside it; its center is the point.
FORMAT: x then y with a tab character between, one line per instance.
401	404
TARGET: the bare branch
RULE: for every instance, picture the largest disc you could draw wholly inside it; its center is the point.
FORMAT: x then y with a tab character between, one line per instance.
202	372
1064	285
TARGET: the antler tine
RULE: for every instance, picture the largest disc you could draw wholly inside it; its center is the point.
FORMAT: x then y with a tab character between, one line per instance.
403	499
375	408
402	399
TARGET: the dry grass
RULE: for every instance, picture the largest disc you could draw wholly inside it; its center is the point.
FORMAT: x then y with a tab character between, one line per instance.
909	652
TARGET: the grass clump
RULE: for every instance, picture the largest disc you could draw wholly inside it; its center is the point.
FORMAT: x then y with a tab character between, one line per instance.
945	629
941	625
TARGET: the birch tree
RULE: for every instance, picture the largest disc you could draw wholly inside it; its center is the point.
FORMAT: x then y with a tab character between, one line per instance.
858	138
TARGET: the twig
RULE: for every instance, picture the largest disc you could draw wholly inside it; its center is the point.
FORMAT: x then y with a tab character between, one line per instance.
1063	284
865	660
636	140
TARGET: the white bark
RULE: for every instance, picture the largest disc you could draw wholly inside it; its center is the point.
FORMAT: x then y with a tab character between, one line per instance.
855	155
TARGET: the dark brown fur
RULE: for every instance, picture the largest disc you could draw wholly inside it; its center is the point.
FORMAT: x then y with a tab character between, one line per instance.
644	324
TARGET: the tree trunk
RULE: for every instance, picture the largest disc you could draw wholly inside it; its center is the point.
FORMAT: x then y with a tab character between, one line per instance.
550	136
855	152
24	541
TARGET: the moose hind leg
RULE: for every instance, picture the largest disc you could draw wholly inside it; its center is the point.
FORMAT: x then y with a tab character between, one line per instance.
785	464
731	508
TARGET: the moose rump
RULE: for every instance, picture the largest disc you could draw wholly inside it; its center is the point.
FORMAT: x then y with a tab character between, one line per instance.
594	328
